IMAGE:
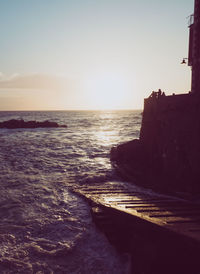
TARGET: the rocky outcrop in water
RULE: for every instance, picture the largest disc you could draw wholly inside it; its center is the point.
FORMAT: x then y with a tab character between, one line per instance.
14	123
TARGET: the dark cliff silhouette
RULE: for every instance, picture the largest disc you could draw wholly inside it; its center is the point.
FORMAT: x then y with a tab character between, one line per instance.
11	124
167	154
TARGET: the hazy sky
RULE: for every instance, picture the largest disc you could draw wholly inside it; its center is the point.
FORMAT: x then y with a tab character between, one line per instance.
91	54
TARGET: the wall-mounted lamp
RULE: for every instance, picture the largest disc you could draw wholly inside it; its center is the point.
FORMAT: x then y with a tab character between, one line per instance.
184	61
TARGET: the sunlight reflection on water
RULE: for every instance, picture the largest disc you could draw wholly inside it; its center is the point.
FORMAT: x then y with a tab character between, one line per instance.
106	137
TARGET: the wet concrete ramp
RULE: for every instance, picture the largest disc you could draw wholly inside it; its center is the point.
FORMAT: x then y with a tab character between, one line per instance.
161	233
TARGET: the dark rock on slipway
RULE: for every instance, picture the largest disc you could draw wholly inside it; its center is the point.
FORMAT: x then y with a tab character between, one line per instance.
131	160
13	123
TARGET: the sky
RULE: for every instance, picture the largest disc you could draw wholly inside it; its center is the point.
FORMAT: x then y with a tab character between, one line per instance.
91	54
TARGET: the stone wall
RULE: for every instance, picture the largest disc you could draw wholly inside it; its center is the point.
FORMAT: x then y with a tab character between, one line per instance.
170	133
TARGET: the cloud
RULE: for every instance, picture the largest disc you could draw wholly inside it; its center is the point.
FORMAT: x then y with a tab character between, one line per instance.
32	81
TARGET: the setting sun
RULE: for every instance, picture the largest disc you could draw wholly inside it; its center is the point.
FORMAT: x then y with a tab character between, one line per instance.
107	91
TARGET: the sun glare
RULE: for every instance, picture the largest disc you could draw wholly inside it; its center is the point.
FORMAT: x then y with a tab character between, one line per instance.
106	91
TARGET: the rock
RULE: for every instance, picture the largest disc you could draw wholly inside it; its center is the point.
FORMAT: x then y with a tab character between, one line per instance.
130	160
13	123
126	152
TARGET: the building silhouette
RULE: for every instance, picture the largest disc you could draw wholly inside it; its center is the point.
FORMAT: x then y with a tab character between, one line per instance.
167	154
194	47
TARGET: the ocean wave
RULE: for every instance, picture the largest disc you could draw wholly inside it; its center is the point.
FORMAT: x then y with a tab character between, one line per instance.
44	227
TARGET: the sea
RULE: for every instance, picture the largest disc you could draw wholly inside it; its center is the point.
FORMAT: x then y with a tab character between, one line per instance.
44	226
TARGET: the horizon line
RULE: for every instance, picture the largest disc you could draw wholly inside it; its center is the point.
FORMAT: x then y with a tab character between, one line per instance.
73	110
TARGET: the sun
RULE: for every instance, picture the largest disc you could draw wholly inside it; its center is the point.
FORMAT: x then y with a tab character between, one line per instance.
107	91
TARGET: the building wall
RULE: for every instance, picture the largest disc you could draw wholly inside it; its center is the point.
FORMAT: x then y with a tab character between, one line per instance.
195	43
